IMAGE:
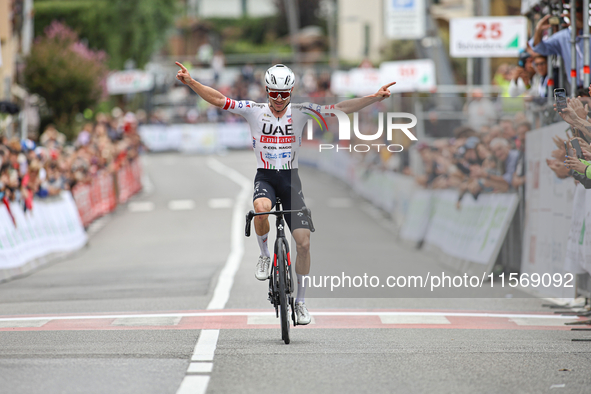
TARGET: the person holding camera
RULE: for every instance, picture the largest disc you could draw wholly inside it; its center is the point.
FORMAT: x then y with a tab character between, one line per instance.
521	79
559	42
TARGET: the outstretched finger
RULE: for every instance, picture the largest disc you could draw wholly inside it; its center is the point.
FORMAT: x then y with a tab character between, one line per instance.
387	86
181	66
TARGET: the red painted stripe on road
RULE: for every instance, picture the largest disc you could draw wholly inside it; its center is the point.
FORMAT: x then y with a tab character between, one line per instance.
321	322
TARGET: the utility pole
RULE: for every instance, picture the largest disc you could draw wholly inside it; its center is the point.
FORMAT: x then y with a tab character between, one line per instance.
293	20
586	43
485	61
329	9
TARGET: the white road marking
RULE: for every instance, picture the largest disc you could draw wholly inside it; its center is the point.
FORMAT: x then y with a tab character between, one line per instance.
268	320
247	313
181	205
143	321
140	206
526	321
23	323
558	386
405	319
194	384
206	344
222	290
216	203
147	184
97	225
200	367
341	202
204	351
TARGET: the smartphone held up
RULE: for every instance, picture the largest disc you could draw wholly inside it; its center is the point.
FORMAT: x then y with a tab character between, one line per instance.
560	99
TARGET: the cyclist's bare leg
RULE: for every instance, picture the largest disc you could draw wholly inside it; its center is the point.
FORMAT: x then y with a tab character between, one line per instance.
261	226
302	239
261	223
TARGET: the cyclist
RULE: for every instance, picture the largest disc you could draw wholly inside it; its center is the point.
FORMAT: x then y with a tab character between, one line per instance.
277	174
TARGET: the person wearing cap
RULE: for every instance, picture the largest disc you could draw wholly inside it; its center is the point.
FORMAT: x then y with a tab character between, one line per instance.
277	154
522	75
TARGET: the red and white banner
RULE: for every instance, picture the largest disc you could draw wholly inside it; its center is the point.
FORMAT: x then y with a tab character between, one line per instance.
52	226
99	197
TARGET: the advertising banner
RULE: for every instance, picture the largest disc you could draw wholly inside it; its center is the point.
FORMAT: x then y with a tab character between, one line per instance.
196	138
130	81
476	231
418	216
52	226
553	240
487	36
409	75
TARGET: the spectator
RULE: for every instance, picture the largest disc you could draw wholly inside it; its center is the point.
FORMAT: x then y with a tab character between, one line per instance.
480	111
84	135
559	43
521	80
538	86
540	81
508	131
51	137
27	171
506	160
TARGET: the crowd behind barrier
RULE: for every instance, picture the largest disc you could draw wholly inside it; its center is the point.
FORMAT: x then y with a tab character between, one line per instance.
30	239
51	189
43	167
471	237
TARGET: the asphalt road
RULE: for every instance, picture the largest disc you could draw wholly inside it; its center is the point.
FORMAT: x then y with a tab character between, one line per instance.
138	310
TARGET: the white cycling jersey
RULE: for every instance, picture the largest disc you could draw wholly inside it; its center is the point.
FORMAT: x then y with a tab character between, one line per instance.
276	142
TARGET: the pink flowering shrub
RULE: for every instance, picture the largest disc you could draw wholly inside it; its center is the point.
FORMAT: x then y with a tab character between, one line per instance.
68	74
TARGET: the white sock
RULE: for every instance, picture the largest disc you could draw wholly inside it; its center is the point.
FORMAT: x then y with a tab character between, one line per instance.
301	289
263	244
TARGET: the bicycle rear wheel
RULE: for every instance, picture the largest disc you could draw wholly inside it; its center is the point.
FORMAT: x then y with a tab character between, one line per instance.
283	292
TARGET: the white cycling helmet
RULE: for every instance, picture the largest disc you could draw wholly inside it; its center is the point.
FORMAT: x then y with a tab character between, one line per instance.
279	77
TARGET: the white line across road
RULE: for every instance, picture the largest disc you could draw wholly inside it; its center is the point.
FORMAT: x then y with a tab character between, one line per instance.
317	313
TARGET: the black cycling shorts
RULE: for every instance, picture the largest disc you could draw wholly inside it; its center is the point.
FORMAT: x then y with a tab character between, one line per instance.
286	185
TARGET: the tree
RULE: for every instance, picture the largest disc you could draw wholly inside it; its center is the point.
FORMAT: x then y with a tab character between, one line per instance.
308	11
66	73
130	29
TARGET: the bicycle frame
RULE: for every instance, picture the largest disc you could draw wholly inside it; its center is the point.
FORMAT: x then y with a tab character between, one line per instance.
281	276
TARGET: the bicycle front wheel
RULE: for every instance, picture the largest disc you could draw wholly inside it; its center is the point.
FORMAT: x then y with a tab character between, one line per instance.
283	293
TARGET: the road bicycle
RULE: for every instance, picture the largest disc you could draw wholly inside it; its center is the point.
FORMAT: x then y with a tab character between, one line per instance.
280	280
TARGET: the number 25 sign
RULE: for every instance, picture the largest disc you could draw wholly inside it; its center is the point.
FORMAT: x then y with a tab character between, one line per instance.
487	36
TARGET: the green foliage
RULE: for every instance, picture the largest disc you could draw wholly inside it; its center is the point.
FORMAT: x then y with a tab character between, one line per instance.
255	30
308	11
130	29
65	73
244	46
400	50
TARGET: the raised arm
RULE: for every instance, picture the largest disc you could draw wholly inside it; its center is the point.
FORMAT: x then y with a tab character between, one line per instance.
356	104
570	116
208	94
